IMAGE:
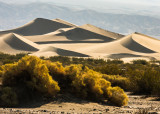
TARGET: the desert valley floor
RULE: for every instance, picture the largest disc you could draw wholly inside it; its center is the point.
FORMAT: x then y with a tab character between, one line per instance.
43	37
70	105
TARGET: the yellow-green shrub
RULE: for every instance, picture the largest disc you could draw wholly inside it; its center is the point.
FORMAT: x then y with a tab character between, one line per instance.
73	70
56	70
87	83
31	72
97	85
1	73
8	97
117	96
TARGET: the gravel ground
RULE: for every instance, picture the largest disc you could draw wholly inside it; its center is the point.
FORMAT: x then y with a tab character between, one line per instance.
68	105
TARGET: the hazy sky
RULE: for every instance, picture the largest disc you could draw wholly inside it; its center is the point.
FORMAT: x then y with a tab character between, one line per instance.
140	2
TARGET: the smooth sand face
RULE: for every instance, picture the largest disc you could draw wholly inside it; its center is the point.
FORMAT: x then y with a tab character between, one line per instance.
43	37
65	22
14	43
70	35
102	31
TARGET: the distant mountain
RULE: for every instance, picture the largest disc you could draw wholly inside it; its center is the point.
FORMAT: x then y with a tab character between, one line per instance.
12	16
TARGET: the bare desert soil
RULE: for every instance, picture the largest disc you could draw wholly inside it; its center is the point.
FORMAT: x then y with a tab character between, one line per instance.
68	105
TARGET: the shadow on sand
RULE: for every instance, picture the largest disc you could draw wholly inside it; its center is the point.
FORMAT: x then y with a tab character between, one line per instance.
59	99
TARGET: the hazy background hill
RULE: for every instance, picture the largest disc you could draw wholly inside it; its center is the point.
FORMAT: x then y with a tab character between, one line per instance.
112	16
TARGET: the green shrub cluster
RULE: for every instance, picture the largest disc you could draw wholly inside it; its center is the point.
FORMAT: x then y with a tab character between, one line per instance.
7	58
115	61
117	80
143	62
140	76
91	63
145	81
110	69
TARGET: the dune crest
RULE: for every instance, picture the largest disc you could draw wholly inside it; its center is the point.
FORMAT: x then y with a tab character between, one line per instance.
147	41
102	31
38	26
65	22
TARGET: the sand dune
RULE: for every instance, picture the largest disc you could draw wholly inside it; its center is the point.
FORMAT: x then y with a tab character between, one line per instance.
43	37
53	51
102	31
134	44
131	43
70	35
147	41
38	26
83	34
14	43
